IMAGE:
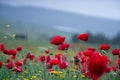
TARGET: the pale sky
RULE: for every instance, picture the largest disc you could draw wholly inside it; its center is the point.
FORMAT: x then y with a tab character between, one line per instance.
101	8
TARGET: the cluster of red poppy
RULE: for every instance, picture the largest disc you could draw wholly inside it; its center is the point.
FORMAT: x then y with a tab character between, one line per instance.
91	63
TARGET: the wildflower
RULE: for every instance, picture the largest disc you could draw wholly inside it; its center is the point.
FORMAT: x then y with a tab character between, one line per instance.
10	65
57	40
25	79
19	48
19	63
115	51
88	53
86	74
30	56
108	69
59	56
1	63
74	76
47	51
2	47
63	46
83	37
18	69
104	47
47	58
63	65
91	49
12	52
97	65
42	58
114	68
54	61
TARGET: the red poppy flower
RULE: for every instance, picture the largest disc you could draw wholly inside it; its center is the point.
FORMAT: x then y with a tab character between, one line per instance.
2	47
30	56
42	58
91	49
47	58
19	48
108	69
97	65
6	52
59	56
1	63
115	51
13	52
63	65
10	65
83	37
88	53
47	51
87	74
79	54
114	68
13	56
63	46
104	47
54	61
19	63
18	69
57	40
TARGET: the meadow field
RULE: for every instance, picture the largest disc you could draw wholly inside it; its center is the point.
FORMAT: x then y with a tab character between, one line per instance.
58	60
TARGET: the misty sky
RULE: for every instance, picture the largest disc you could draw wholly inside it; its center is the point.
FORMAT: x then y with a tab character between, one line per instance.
102	8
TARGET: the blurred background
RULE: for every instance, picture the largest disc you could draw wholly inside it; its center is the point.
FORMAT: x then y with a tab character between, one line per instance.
40	20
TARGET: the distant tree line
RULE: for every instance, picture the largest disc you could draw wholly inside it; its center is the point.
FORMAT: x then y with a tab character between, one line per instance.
99	38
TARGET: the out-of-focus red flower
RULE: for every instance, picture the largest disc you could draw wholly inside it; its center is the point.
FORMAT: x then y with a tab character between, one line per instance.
104	47
13	52
18	69
115	51
24	60
19	48
19	63
63	46
88	53
2	47
54	61
57	40
63	65
30	56
47	51
8	60
6	52
10	65
79	54
108	69
83	37
59	56
83	59
47	58
119	63
86	74
97	64
114	68
13	56
76	59
1	63
91	49
42	58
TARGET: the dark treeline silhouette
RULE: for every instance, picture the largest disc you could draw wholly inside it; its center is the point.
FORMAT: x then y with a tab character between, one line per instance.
99	38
